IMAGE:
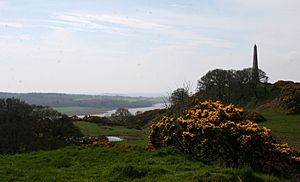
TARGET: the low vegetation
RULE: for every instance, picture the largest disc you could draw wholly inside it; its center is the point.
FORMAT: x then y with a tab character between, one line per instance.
119	163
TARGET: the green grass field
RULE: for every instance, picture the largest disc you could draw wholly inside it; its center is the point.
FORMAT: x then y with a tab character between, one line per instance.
119	163
285	127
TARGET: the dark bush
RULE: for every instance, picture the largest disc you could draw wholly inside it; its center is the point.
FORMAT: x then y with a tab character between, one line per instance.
254	116
25	128
98	120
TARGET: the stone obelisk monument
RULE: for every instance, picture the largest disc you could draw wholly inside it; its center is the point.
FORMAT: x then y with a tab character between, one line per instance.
255	77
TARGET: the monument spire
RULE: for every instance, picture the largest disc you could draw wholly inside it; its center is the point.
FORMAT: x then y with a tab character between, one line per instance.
255	77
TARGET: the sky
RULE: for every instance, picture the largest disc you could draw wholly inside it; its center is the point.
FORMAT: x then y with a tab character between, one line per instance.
141	46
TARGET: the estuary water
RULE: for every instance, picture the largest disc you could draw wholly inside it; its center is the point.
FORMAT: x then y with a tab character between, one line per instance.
134	110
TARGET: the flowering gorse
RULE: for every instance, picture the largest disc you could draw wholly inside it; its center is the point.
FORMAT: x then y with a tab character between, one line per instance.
212	131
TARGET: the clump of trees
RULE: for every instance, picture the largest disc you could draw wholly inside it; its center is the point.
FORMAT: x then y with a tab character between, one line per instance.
230	86
25	127
122	115
217	133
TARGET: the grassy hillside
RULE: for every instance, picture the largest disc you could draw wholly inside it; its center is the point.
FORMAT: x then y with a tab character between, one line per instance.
120	163
285	127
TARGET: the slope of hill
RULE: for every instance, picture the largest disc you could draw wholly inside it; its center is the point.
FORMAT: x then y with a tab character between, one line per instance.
119	163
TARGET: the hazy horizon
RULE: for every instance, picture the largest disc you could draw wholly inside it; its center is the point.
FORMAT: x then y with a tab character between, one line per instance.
130	94
135	47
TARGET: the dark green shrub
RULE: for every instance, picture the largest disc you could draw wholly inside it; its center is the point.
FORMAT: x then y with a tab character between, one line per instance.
254	116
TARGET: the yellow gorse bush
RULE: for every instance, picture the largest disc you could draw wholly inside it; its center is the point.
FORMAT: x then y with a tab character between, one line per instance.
290	96
212	131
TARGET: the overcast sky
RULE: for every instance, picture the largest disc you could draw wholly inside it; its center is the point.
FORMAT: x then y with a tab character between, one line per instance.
141	46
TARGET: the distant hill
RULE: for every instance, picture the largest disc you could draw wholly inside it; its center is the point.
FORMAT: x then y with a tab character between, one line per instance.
105	102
